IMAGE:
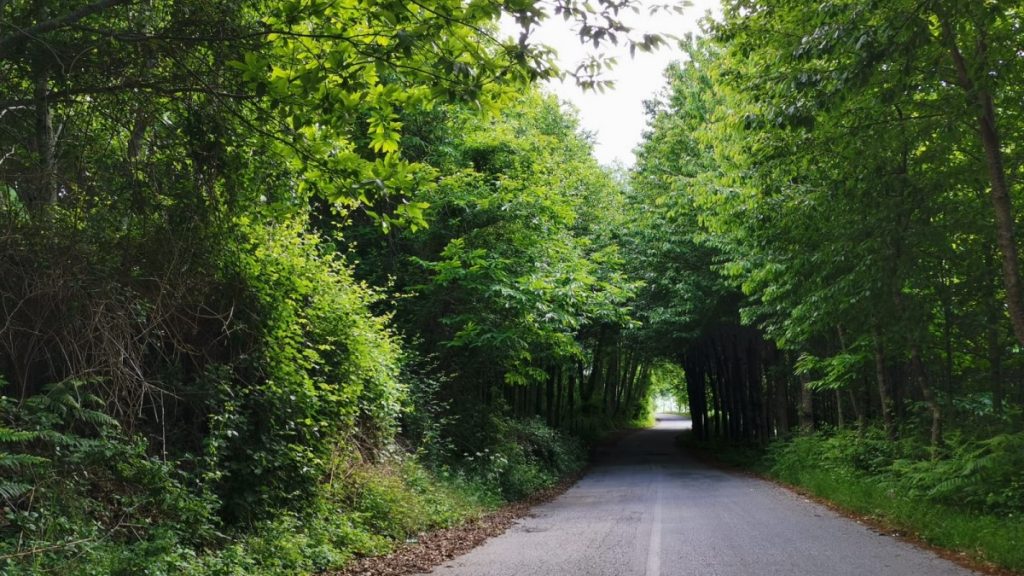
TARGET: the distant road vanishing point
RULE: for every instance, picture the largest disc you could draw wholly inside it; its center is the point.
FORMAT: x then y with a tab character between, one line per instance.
648	509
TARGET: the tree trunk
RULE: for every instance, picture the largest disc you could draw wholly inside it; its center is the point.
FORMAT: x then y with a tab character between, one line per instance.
572	382
806	407
611	380
1002	205
858	414
45	190
549	392
590	385
840	419
559	394
883	388
696	392
917	365
781	406
995	363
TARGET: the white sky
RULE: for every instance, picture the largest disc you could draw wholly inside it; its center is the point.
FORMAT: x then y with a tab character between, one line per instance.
616	117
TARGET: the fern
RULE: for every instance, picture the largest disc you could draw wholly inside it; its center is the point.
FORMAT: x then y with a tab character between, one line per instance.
20	462
12	490
96	418
12	436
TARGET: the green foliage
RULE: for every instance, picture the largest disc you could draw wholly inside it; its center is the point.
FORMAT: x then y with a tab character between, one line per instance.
509	290
976	476
668	382
842	453
87	498
83	498
981	475
326	371
523	457
523	280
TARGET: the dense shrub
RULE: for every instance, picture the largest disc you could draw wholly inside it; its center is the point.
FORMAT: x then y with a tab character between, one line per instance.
80	495
982	475
322	374
525	456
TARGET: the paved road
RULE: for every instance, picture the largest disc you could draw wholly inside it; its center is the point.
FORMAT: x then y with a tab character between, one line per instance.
648	509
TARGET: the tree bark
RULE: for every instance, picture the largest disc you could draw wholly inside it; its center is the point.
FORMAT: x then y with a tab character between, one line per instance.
806	407
589	386
840	417
696	392
1002	205
883	388
559	393
921	375
44	192
549	392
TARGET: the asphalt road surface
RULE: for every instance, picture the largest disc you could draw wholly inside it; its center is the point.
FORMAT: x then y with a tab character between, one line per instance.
648	509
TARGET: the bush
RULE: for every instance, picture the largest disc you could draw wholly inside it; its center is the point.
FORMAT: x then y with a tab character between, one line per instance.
525	456
82	497
983	475
841	451
321	371
978	475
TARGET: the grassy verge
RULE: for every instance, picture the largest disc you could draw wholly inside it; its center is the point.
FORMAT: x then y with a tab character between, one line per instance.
989	540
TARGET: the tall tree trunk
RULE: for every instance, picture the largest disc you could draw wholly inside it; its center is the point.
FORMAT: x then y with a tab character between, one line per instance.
921	375
995	369
589	386
806	412
988	132
611	379
559	393
857	414
573	381
696	392
643	376
840	417
995	350
44	192
549	392
883	388
781	405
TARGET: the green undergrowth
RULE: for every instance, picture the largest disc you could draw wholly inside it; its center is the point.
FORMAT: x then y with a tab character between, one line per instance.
81	497
967	499
646	421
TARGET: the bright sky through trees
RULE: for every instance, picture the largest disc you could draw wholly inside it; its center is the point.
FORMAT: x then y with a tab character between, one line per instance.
616	117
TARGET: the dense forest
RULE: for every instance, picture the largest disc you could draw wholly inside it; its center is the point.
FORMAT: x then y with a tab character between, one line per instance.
284	283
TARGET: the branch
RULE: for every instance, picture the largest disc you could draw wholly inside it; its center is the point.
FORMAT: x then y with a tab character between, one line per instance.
50	25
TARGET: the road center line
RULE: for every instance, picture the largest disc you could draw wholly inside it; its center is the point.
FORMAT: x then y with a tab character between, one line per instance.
654	547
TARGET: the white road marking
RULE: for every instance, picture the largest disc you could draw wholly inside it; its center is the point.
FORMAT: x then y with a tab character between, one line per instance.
654	548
